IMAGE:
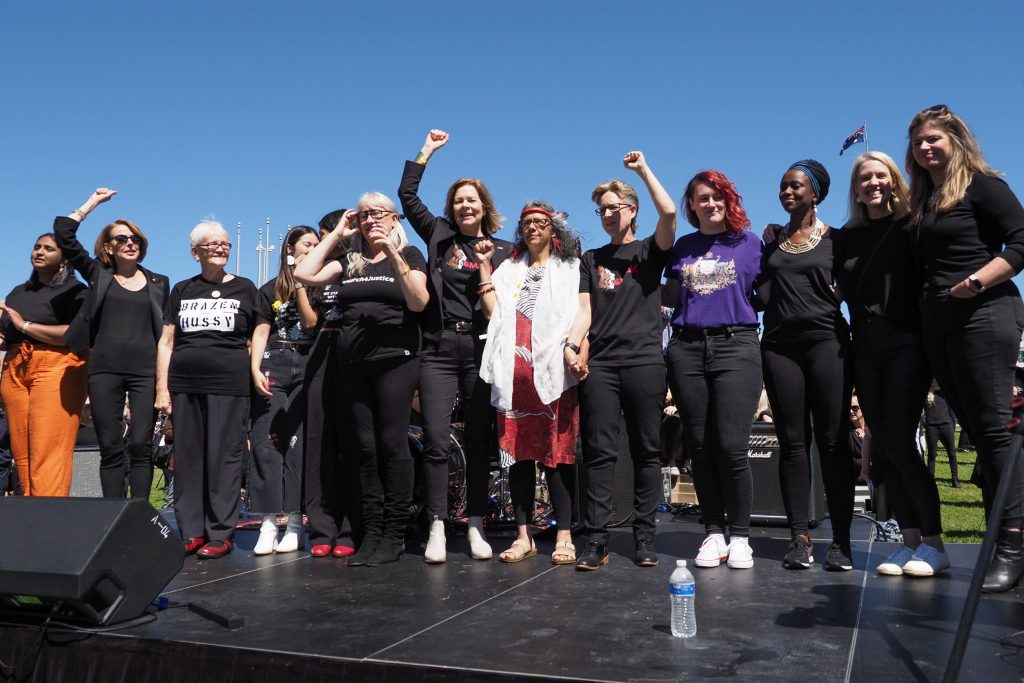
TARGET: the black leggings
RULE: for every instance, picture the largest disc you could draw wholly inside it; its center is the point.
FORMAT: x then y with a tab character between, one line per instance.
522	484
716	383
106	398
808	383
892	378
377	396
933	434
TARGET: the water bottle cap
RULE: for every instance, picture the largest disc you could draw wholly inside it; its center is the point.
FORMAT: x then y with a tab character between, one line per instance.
680	563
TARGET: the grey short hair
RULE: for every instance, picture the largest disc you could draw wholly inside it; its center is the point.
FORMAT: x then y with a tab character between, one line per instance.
206	229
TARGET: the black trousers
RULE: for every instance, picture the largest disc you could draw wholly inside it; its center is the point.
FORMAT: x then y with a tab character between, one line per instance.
377	395
330	478
275	475
716	383
638	391
450	368
892	377
933	434
209	440
107	391
972	345
808	383
522	483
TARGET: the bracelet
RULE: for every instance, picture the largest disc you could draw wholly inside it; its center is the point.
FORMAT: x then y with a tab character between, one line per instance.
569	345
299	285
80	213
405	272
24	328
485	288
422	159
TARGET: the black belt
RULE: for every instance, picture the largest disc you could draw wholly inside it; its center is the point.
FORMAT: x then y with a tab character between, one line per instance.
705	332
460	326
296	345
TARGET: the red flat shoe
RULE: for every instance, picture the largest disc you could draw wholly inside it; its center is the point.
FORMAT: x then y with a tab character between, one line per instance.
322	550
343	551
214	549
193	544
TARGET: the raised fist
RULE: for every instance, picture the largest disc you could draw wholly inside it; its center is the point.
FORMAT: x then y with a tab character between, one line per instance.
634	161
483	251
436	139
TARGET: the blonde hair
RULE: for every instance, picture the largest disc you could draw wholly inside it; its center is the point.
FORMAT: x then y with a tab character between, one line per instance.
963	163
900	202
356	251
623	190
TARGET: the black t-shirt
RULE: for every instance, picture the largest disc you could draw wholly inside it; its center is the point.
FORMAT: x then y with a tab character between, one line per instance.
325	302
460	277
43	305
375	323
987	222
213	322
124	341
937	413
285	321
877	275
800	304
624	283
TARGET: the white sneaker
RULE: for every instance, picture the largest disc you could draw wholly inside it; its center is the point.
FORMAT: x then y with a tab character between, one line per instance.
712	551
435	551
740	554
479	548
926	561
893	565
291	540
267	541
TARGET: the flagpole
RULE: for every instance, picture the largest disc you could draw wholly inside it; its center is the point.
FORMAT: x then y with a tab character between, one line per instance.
867	147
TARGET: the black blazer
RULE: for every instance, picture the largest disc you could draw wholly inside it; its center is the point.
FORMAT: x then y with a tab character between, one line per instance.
438	233
82	331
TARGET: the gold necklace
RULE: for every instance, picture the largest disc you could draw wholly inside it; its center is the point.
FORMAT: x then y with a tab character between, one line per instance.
801	247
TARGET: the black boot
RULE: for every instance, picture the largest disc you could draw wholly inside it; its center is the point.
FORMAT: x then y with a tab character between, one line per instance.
397	504
388	551
367	549
1007	563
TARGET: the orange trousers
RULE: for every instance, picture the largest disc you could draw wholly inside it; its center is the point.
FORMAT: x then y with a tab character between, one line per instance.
44	388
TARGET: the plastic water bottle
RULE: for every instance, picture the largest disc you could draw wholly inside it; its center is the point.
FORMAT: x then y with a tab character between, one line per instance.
681	591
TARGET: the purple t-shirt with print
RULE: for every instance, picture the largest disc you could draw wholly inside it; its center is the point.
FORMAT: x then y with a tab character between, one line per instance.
716	275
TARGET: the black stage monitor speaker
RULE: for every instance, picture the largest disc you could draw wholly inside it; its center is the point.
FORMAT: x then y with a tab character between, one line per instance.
95	560
763	452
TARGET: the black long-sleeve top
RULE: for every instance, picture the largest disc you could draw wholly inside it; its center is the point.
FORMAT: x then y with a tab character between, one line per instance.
877	273
987	222
445	245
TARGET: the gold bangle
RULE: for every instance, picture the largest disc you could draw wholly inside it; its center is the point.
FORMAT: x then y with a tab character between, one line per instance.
422	159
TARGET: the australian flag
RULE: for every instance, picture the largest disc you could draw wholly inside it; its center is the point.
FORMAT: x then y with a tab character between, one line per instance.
855	137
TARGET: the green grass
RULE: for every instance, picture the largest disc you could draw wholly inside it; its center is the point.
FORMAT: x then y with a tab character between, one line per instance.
156	494
963	517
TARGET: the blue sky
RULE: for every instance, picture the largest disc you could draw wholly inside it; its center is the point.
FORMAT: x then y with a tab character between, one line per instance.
249	110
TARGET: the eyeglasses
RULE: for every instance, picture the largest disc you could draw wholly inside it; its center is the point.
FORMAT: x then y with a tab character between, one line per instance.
534	222
216	246
124	239
373	213
854	409
614	208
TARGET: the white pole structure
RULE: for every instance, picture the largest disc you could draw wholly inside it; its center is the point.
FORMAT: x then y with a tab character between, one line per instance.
259	259
238	248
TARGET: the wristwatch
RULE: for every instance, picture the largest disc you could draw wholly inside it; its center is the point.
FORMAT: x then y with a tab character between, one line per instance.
569	345
975	284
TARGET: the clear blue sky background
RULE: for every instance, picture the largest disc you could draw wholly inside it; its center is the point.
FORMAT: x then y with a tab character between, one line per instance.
249	110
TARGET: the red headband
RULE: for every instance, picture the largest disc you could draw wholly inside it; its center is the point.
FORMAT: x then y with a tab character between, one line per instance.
535	209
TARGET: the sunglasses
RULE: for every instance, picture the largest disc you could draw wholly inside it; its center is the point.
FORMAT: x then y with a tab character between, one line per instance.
122	240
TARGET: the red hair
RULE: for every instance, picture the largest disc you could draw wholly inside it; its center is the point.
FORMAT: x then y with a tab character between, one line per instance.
735	217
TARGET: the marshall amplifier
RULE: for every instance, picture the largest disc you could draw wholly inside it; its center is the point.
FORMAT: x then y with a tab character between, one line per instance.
763	452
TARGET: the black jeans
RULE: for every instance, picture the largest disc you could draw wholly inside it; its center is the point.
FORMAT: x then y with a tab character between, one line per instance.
275	476
808	383
209	440
446	370
639	392
933	434
522	484
972	345
330	478
892	377
107	392
377	396
716	383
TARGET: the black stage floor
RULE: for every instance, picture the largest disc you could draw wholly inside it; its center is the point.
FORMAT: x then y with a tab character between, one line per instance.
310	619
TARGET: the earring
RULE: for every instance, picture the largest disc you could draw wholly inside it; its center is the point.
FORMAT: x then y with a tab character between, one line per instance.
290	260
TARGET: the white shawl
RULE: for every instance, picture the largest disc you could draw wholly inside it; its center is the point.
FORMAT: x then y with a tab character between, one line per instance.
553	314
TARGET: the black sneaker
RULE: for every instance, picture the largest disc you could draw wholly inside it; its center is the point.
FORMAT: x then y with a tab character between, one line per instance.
593	557
646	555
839	558
799	554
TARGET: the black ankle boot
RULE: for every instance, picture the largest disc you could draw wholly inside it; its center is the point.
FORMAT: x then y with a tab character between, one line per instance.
388	551
366	550
1007	563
